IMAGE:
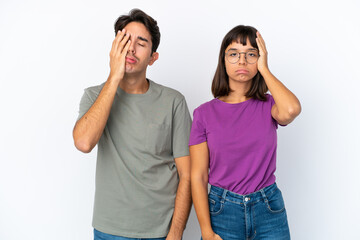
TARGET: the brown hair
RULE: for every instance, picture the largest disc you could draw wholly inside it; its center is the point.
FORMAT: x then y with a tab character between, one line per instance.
136	15
220	84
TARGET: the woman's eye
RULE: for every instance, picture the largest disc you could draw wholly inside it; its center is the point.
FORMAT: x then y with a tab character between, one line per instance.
232	54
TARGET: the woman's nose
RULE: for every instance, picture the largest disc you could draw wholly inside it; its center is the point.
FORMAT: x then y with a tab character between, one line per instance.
242	59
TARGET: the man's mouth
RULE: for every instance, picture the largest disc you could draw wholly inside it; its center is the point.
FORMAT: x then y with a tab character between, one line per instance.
130	60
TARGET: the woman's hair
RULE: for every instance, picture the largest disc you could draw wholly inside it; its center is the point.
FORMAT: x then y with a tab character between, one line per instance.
220	84
136	15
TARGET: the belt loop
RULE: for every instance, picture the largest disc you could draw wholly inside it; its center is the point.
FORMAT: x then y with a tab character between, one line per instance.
263	195
223	196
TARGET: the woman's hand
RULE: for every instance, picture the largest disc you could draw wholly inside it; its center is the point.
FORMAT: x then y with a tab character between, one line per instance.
262	61
212	236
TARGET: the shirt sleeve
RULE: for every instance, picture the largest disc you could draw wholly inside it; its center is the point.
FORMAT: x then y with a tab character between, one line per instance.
272	101
198	131
181	130
85	104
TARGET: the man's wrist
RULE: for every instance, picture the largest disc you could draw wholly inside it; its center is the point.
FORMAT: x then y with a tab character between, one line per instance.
174	234
114	79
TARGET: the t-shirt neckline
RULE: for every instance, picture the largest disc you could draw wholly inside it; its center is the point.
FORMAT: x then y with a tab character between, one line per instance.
140	95
232	104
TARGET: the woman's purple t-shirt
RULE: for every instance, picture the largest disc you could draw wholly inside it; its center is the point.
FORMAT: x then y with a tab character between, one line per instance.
242	143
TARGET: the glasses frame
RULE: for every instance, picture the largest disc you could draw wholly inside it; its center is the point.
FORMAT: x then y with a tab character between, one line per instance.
227	55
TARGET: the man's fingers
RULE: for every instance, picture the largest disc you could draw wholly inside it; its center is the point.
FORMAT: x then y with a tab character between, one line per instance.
113	43
126	48
119	36
123	43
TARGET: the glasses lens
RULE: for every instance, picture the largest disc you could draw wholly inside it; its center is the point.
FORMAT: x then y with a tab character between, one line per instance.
232	56
252	57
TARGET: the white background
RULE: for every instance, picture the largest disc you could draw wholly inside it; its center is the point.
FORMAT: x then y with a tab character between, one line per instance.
51	50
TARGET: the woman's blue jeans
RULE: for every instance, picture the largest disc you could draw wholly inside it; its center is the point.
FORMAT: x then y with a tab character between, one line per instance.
259	215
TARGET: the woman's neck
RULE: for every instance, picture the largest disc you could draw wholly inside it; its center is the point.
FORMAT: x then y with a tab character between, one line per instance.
238	93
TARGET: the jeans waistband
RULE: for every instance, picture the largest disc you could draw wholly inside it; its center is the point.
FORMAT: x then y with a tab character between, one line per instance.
249	198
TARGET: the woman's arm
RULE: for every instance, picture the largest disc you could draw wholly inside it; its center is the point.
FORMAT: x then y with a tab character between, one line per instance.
199	155
287	107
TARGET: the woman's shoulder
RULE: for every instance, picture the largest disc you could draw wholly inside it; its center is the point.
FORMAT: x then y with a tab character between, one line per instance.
269	99
268	96
205	106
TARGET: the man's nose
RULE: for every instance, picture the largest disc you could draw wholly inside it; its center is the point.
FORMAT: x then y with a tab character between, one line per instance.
132	44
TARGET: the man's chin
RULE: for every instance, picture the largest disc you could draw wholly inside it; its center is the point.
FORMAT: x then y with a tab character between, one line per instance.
131	72
128	68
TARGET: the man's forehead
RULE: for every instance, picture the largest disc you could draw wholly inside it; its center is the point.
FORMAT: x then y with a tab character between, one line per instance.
138	30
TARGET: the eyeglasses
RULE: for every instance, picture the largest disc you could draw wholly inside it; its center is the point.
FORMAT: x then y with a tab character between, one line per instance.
233	56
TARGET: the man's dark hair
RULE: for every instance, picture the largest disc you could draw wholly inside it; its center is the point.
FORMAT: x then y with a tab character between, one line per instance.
220	84
136	15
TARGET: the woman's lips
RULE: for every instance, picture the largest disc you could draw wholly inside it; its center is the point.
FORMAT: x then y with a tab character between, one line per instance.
242	71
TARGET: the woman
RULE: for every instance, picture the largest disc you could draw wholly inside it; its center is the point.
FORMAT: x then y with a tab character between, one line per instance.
233	144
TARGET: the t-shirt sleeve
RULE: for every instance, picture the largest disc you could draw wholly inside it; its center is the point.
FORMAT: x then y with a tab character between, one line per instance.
198	131
85	104
181	130
272	101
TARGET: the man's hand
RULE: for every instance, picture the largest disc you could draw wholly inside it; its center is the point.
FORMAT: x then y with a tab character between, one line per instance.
118	53
90	127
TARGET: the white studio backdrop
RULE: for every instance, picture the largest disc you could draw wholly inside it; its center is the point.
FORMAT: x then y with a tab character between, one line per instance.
51	50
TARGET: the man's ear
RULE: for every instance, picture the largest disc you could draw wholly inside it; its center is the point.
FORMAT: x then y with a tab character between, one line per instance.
154	57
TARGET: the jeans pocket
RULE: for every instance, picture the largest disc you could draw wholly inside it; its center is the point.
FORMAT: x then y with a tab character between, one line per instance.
215	205
275	202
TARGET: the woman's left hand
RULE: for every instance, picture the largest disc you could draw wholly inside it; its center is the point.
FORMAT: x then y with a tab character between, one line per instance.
262	61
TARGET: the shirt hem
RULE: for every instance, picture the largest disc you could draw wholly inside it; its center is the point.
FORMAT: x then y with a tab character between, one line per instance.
130	234
185	154
196	143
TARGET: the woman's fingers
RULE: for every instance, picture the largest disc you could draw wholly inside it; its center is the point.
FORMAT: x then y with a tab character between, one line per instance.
260	42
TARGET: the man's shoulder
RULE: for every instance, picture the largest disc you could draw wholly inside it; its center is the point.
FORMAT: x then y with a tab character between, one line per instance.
94	91
168	92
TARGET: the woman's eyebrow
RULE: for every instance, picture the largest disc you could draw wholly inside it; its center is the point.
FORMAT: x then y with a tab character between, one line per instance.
249	49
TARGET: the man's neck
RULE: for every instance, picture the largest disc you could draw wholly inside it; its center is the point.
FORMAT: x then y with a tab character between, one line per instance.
134	84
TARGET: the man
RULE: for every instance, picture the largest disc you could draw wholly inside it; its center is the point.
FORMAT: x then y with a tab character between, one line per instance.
142	131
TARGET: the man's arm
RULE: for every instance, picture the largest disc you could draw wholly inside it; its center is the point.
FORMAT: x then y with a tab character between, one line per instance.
89	128
182	201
